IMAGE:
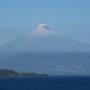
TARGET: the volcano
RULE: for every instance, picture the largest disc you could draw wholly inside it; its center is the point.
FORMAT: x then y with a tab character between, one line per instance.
44	50
44	39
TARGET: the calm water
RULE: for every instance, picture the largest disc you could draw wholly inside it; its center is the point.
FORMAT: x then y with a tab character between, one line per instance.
45	83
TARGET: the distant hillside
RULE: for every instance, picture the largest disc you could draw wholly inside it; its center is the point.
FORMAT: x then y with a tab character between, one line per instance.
12	73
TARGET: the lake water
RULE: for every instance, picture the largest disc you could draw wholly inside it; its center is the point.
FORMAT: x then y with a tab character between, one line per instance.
46	83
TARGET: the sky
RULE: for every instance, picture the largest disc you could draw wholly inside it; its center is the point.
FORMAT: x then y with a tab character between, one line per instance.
70	17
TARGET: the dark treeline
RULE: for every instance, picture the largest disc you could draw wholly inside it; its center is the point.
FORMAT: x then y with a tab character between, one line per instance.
12	73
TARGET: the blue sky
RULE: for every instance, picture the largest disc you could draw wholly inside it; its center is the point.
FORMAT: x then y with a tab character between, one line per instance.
71	17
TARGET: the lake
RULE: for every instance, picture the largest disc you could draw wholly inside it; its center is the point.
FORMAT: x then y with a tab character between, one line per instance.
46	83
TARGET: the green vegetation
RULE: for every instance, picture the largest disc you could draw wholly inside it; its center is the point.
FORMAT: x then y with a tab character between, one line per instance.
12	73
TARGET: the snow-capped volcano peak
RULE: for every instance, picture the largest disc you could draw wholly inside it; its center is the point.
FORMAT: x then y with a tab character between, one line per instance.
43	30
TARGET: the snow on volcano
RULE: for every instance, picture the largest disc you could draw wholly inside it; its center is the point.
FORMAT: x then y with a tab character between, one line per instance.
43	30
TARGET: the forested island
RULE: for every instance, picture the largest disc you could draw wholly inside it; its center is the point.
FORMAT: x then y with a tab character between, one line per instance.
12	73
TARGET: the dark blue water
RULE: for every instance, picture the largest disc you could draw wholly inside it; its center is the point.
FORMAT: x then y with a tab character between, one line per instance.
45	83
